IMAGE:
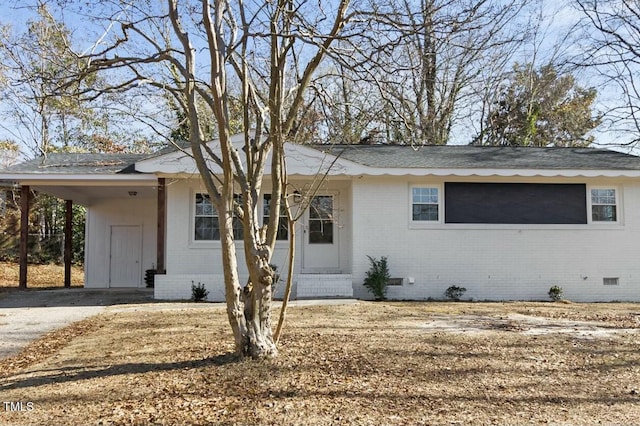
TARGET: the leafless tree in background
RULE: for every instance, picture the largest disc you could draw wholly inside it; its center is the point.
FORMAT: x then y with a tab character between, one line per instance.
432	59
611	46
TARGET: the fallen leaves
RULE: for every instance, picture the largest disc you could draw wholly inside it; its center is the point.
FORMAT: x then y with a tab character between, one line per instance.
362	364
39	276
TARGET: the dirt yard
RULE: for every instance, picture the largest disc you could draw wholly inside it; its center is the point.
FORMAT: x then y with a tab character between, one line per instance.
358	364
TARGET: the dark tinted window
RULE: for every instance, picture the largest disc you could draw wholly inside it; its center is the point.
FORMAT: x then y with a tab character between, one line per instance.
516	203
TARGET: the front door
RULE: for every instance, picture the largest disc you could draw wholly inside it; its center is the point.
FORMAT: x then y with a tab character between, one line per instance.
125	252
321	243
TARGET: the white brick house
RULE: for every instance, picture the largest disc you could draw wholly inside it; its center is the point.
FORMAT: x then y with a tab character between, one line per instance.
507	223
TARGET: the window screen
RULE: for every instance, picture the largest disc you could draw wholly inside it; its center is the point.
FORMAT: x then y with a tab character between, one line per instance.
515	203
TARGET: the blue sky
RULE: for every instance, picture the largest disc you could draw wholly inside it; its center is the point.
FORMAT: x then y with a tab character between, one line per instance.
559	18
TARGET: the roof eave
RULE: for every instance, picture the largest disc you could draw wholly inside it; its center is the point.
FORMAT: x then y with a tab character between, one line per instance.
378	171
371	171
55	178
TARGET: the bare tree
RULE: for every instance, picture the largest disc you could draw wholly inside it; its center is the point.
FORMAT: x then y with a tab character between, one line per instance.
344	108
611	46
35	111
32	61
432	57
201	51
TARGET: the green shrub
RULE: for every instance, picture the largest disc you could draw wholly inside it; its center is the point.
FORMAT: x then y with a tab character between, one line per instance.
555	293
198	292
377	277
454	293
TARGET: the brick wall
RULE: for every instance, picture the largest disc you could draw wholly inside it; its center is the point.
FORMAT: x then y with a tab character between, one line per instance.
178	287
200	261
494	262
310	286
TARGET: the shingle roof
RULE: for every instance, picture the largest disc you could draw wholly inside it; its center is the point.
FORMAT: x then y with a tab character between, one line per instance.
376	156
483	157
79	163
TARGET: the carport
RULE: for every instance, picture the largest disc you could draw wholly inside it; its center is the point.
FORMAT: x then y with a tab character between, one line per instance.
106	183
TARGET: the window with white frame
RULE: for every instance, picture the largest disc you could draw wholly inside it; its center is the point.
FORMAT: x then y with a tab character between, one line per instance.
425	202
206	222
206	225
283	229
604	205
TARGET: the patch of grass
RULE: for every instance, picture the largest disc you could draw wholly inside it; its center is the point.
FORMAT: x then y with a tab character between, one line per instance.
39	276
362	364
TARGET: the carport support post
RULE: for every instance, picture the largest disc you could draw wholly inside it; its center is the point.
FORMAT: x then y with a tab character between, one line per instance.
161	226
24	234
68	225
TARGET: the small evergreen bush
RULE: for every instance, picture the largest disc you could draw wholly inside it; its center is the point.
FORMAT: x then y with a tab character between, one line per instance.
454	293
555	293
198	292
377	277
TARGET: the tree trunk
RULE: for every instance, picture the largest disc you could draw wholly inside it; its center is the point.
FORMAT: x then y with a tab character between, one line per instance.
248	309
233	290
289	285
260	342
258	297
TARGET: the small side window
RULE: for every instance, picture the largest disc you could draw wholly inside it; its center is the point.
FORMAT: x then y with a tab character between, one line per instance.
604	205
425	204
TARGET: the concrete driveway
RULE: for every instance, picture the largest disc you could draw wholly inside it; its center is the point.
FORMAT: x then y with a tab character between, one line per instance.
27	315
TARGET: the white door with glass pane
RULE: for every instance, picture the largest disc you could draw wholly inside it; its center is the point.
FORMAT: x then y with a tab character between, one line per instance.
321	243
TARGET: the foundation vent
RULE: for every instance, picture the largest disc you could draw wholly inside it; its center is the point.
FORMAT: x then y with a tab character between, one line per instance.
611	281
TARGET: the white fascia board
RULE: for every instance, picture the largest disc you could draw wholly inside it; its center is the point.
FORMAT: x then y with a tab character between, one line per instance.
376	171
342	168
81	180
